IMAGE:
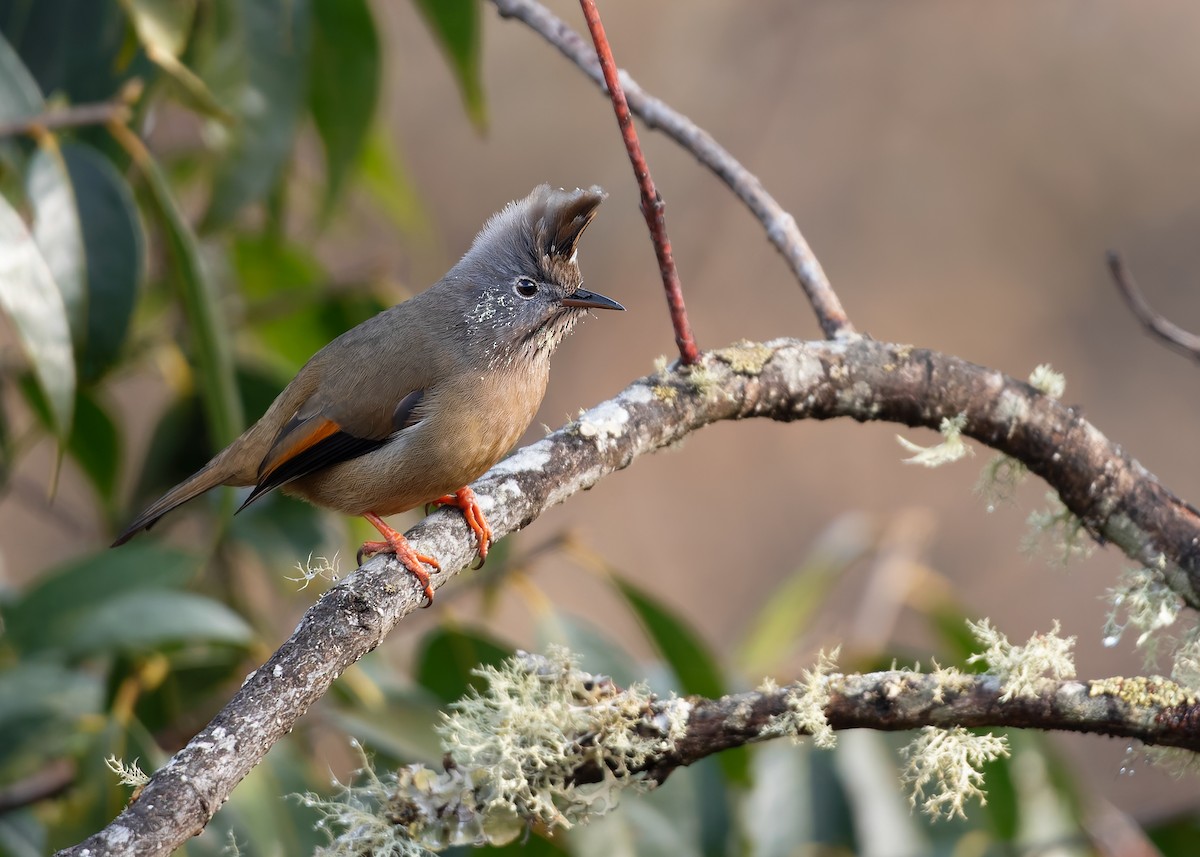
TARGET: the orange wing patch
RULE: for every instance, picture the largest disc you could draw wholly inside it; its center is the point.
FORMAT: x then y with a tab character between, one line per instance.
295	442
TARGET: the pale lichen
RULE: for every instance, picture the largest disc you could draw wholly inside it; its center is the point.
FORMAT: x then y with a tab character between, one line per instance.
1058	533
127	773
1045	380
806	701
516	750
1147	602
322	569
952	447
1153	691
999	480
944	769
1019	668
745	358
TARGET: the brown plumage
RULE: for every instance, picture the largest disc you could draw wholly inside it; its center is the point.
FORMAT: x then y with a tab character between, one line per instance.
411	405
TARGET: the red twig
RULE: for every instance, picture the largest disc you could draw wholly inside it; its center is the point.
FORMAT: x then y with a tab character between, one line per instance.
1157	324
653	208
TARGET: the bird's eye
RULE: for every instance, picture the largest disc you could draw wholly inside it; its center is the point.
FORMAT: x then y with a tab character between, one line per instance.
525	287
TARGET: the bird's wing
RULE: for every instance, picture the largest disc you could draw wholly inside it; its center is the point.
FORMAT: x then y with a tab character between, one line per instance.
314	439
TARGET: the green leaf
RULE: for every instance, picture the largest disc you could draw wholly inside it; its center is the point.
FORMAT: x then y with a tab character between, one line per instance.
44	616
447	657
140	621
599	654
40	706
212	338
96	445
76	49
343	84
268	102
32	300
162	25
58	233
20	96
777	629
457	26
689	658
163	28
115	247
386	178
677	642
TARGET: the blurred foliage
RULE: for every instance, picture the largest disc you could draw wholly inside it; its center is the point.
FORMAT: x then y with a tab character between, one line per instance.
185	263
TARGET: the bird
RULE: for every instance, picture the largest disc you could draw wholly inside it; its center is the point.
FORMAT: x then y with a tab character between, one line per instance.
413	404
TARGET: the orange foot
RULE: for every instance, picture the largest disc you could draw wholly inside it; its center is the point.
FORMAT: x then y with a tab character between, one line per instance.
395	543
465	499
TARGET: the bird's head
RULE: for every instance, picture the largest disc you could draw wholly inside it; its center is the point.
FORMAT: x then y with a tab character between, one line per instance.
524	287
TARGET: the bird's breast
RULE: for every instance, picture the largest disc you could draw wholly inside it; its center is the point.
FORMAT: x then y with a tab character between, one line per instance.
467	424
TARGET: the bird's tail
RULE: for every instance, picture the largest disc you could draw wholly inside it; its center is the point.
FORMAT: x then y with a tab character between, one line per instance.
208	477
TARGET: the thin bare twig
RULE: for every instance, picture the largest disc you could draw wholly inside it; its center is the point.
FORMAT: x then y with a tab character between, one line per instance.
75	116
780	225
1156	323
653	207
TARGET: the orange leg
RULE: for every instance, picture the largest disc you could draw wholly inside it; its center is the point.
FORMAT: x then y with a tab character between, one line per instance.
465	499
395	543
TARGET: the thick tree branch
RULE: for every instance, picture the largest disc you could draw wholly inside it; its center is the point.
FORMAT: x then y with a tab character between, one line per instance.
570	729
780	225
784	380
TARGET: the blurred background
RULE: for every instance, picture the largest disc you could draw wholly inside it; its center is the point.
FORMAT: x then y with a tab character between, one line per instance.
959	170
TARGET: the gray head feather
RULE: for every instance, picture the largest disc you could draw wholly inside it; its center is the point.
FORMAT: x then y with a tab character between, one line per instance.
520	267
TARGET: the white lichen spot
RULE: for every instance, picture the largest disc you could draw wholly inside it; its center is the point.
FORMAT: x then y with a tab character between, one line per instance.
1011	408
1019	668
603	423
277	671
952	447
529	459
944	769
638	394
1046	380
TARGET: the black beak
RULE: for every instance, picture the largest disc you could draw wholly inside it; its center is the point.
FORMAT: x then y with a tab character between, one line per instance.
590	300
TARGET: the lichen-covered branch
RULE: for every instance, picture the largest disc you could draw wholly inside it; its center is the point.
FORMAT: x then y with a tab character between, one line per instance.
550	745
787	379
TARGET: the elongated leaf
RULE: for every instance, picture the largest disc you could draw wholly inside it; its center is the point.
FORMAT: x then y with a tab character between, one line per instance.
42	618
33	301
447	657
275	40
96	446
163	28
20	96
115	247
73	48
58	233
162	25
457	26
212	339
386	177
689	659
343	84
138	621
40	705
784	618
